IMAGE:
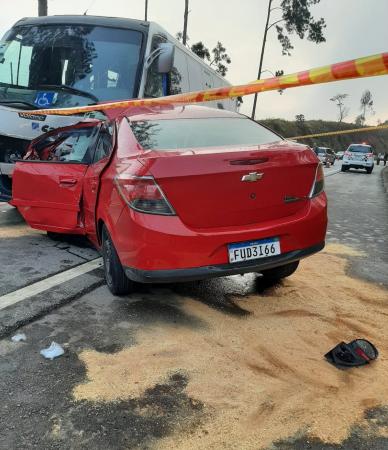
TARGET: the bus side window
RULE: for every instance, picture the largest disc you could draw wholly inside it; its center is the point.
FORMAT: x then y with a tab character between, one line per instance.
179	76
156	82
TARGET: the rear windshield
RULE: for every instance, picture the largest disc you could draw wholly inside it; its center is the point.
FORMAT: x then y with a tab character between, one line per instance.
192	133
360	149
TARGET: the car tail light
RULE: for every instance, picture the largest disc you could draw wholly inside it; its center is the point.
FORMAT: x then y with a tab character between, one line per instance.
369	155
319	182
143	194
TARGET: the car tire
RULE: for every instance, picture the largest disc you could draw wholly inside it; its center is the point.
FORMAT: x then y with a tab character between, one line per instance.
276	274
116	280
344	169
369	171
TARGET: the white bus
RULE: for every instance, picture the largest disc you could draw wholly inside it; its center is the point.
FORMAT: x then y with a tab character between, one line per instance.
64	61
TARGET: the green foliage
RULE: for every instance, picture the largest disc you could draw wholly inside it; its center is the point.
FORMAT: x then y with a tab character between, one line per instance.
297	19
366	106
200	50
286	128
218	57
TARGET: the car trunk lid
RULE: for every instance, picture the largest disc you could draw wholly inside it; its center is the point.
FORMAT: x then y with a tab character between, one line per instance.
218	187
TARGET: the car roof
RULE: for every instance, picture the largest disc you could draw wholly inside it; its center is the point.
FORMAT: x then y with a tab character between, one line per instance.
177	112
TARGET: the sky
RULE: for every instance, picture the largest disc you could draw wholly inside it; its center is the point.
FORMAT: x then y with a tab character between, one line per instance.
355	28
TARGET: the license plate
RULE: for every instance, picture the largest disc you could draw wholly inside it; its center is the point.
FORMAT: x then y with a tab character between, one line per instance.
246	251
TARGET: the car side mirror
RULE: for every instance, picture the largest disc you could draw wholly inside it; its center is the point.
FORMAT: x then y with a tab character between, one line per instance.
166	57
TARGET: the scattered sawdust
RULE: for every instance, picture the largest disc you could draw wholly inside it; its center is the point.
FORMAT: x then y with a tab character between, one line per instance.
17	231
262	377
340	249
56	429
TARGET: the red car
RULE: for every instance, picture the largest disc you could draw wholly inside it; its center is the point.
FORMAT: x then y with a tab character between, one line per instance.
176	194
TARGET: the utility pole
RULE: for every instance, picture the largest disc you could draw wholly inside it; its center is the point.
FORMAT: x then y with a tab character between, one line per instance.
267	27
185	20
146	11
42	7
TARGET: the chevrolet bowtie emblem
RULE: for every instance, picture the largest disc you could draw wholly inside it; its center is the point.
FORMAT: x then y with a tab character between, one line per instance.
252	177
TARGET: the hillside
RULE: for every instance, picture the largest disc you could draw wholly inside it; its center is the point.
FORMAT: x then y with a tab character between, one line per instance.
378	139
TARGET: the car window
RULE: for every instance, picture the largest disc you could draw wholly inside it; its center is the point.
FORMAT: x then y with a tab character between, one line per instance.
105	144
75	146
208	132
360	149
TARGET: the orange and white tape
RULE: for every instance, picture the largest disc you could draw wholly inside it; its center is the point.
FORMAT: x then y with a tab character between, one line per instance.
369	66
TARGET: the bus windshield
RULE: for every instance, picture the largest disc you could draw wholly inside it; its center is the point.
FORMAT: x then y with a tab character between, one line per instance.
68	65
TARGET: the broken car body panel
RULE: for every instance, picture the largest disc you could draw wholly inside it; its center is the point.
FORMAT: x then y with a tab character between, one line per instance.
48	195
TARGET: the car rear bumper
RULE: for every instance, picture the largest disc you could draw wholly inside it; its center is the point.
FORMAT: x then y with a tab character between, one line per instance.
222	270
148	243
358	164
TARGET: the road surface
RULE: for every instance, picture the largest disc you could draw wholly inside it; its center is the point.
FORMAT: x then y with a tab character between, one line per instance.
226	363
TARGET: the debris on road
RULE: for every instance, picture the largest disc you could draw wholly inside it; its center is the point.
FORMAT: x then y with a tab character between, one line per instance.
356	353
53	351
19	338
267	366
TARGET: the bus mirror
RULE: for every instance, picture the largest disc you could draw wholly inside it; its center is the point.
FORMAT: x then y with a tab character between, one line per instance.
166	57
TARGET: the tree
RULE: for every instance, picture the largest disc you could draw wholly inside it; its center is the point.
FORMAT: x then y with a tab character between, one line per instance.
42	8
343	111
366	105
297	19
218	58
360	119
278	73
200	50
185	20
300	118
146	10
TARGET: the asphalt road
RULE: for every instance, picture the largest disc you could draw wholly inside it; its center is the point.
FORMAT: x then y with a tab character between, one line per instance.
43	402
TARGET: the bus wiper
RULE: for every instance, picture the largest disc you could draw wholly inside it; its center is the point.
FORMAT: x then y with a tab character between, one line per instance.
18	102
69	89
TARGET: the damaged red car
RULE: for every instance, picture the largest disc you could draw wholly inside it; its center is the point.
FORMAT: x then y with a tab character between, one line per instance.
175	194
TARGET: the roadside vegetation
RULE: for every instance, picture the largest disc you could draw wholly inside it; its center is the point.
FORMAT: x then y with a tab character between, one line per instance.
378	139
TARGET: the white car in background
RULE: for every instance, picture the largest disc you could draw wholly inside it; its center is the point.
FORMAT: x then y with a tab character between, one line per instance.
358	156
339	155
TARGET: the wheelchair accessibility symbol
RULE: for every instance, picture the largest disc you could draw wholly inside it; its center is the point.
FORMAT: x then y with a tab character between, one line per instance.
44	99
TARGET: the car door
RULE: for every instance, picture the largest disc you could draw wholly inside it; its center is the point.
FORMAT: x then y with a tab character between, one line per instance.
48	187
91	181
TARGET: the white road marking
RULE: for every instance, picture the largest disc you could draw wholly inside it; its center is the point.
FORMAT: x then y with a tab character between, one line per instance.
40	286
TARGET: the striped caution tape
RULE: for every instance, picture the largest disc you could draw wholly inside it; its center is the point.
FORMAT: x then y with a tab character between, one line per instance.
369	66
334	133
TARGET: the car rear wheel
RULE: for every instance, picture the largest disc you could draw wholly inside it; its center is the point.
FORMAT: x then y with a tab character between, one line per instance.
118	283
344	169
277	273
369	171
